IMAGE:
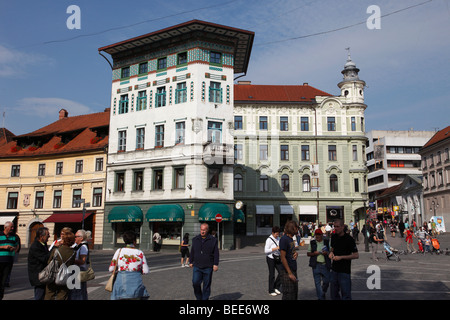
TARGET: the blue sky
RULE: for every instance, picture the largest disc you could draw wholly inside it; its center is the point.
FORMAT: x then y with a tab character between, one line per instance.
45	66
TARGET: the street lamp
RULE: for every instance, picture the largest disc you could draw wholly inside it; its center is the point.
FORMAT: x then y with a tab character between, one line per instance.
85	205
434	206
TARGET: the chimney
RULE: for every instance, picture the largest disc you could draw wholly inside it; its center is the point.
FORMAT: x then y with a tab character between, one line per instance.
63	114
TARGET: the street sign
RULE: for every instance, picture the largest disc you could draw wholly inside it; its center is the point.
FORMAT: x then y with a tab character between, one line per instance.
218	218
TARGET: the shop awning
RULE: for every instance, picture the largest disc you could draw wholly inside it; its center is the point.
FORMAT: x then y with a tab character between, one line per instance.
4	219
286	209
209	211
264	209
165	213
312	210
67	217
239	216
125	214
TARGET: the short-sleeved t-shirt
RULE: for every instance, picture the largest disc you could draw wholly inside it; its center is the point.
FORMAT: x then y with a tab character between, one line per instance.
342	246
287	244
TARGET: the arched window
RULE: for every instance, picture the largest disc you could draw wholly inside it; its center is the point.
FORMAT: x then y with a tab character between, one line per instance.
238	182
333	183
264	183
306	181
285	183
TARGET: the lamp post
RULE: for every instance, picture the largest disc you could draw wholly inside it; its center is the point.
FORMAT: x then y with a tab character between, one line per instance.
85	205
434	205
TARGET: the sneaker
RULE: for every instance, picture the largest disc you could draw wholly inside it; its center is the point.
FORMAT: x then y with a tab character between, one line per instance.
277	291
182	265
273	294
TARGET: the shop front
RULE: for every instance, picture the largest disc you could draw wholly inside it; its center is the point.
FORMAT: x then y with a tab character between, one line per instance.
223	230
264	219
168	221
123	218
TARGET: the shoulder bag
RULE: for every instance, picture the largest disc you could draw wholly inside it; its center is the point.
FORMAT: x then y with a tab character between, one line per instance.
89	273
48	274
63	272
276	257
110	284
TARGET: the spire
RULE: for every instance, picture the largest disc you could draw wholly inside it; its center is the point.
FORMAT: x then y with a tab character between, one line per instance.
350	71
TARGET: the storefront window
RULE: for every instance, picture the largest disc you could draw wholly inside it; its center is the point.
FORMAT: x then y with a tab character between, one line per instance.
170	232
121	227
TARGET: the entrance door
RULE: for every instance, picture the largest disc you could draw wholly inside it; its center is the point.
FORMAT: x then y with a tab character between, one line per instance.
33	229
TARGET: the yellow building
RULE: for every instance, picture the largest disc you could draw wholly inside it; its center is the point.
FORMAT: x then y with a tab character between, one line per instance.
46	175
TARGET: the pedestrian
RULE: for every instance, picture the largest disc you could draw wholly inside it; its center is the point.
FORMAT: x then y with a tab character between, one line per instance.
184	249
320	263
205	260
409	240
288	254
52	290
356	233
81	259
38	255
156	242
374	242
343	250
273	259
131	265
401	227
9	244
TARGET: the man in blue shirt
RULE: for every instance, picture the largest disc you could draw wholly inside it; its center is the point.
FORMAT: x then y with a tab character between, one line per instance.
9	244
205	259
289	256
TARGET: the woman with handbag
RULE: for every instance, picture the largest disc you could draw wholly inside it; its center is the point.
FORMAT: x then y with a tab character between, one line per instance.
81	260
66	255
272	252
130	264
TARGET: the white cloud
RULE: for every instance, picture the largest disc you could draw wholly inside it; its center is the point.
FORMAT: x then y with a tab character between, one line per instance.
14	63
49	107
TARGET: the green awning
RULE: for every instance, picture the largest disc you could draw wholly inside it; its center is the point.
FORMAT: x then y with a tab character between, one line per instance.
209	211
125	214
165	213
239	216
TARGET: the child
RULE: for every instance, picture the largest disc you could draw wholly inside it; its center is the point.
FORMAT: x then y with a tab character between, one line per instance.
427	244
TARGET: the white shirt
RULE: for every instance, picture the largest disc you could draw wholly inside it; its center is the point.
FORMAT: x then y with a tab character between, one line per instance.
270	244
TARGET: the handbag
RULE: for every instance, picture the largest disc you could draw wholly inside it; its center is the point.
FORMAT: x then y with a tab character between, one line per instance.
88	274
276	257
110	284
63	272
48	274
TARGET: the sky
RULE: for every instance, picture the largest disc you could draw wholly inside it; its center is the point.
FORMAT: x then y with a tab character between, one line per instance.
49	53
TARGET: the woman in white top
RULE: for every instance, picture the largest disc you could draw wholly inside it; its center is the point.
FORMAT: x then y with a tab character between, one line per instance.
131	264
272	252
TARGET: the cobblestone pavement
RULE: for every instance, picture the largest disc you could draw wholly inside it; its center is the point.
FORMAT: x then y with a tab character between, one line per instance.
243	275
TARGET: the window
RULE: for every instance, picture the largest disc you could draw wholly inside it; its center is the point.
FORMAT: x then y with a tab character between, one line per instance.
215	57
159	136
97	197
238	152
79	166
41	170
362	124
284	124
262	123
57	198
215	92
12	200
238	182
355	152
284	152
304	124
123	104
305	153
140	138
141	101
333	183
263	152
214	178
158	179
160	97
180	128
125	73
182	58
138	180
353	124
181	93
356	184
306	182
238	123
59	168
122	146
143	68
285	183
39	201
120	182
99	164
331	123
15	171
263	183
162	63
214	132
76	195
332	156
179	178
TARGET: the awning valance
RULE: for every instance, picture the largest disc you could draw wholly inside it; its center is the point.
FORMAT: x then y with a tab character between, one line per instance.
125	214
239	216
209	211
286	209
165	213
264	209
67	217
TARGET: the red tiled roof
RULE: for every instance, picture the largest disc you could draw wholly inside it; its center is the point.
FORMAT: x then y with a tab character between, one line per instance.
276	93
5	136
438	136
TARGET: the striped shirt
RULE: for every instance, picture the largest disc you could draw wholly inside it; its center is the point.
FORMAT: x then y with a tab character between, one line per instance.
5	254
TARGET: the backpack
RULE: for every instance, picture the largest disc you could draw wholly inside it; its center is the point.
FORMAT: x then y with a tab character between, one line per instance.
63	272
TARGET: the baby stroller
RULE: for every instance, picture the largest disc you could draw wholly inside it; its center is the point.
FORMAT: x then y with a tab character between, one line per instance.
436	246
390	252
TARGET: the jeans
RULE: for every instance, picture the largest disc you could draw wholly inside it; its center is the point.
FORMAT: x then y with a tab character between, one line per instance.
321	276
39	293
199	276
340	286
274	283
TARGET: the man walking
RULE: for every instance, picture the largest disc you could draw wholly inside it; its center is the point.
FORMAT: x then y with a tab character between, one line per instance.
38	255
204	260
343	251
320	263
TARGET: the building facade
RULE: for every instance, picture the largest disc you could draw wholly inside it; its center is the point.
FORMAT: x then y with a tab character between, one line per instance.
170	157
436	179
300	153
45	176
